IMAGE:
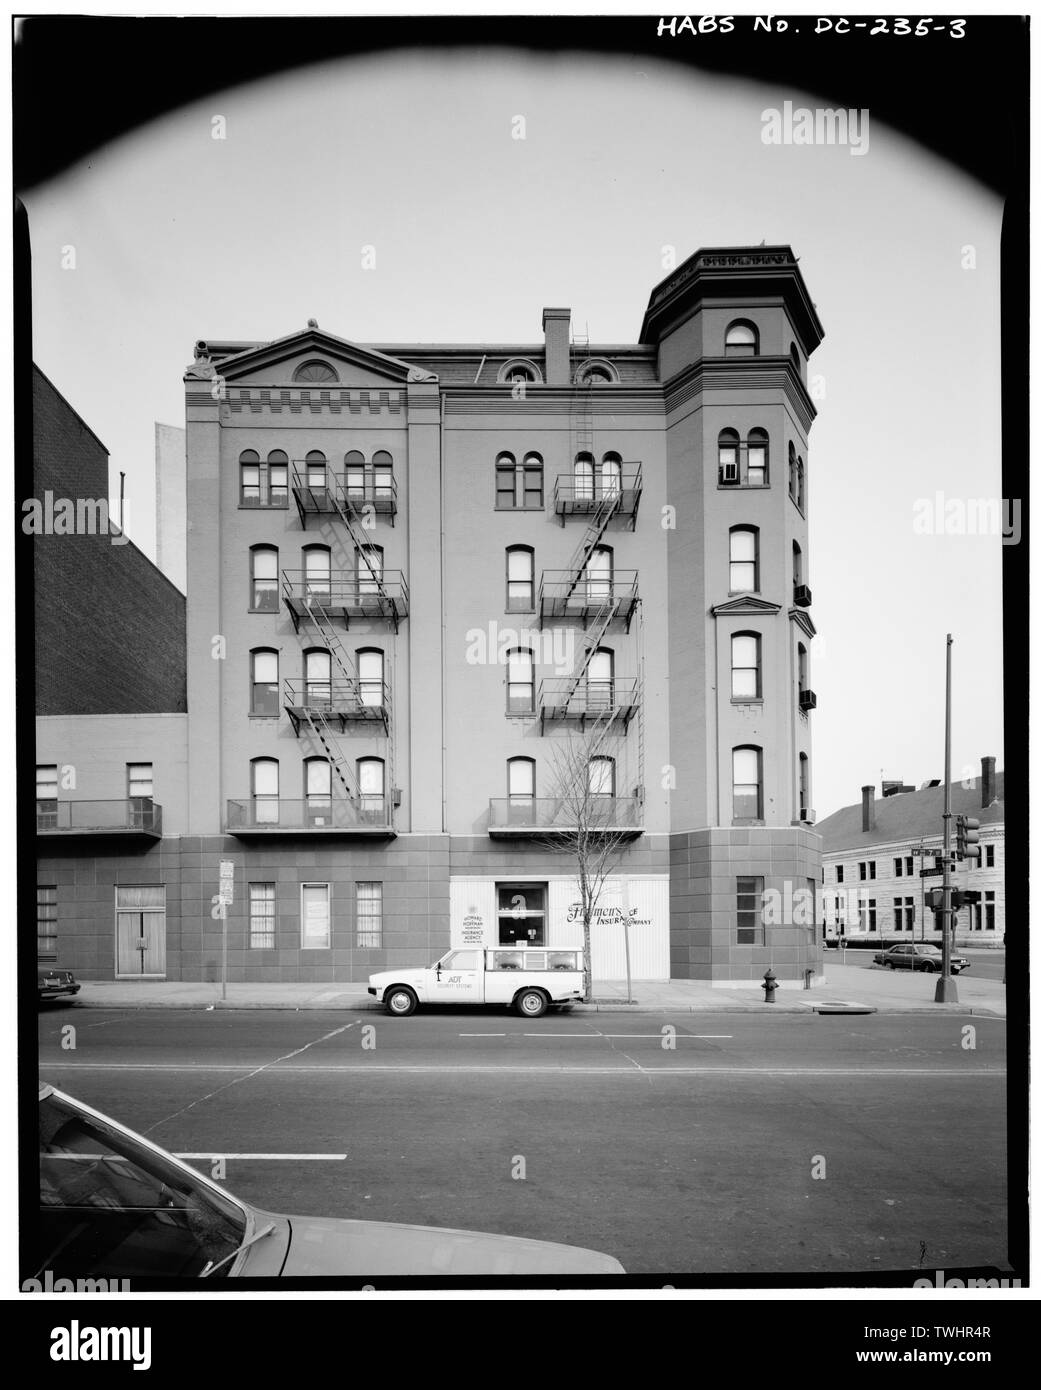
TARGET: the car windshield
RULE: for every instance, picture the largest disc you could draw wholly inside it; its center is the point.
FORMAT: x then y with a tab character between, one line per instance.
110	1207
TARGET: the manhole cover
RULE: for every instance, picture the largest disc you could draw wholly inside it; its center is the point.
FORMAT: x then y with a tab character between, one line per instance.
843	1006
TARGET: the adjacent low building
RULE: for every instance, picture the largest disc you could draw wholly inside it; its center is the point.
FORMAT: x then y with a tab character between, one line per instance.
875	852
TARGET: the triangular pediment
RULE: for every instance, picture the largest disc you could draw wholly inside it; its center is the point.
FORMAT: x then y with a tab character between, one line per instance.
803	620
277	363
745	605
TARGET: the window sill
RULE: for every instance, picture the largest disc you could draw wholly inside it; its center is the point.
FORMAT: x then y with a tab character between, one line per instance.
271	612
746	699
742	487
500	507
256	714
263	506
518	714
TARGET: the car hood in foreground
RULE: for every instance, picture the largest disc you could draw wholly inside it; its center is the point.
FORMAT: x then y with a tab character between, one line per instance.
412	976
324	1247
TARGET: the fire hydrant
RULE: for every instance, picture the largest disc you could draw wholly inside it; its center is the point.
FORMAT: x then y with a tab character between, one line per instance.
770	985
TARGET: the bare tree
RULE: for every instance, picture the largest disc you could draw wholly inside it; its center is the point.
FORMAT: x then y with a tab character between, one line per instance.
588	824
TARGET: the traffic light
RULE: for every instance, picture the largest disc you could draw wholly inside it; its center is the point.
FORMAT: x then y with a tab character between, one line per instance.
934	899
968	832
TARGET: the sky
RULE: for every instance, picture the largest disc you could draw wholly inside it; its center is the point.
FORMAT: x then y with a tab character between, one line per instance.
179	236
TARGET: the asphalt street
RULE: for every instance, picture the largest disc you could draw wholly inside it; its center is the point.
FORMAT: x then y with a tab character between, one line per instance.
735	1144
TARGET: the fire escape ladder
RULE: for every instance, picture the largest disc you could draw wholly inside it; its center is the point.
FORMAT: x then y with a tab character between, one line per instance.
323	734
360	550
591	640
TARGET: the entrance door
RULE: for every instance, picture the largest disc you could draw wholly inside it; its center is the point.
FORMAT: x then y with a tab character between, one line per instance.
141	930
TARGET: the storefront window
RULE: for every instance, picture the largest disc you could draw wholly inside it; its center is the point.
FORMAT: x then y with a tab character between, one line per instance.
522	914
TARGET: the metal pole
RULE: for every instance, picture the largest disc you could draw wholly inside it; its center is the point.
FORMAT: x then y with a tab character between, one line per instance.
224	950
946	989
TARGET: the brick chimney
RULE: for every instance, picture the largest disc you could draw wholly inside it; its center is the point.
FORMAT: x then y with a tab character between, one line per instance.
989	782
556	324
867	803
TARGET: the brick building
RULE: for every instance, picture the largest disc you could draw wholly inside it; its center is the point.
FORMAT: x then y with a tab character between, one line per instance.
423	580
875	850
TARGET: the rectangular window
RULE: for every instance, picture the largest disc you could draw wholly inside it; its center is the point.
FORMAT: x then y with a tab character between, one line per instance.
262	916
869	915
315	917
898	867
909	866
264	693
506	484
988	856
369	915
748	784
521	913
47	921
988	911
531	478
520	581
756	465
139	779
839	872
871	869
47	797
520	683
750	912
744	667
264	579
903	914
863	870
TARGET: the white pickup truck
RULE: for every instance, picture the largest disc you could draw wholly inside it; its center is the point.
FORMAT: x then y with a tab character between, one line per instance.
527	977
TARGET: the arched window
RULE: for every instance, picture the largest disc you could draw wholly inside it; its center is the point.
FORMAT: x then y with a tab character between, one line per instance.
518	369
318	791
317	573
742	339
746	681
601	776
505	480
748	783
263	578
369	566
600	574
744	559
370	677
792	473
600	680
249	478
354	475
372	790
803	669
531	482
800	484
520	579
804	785
318	687
315	371
520	681
729	466
263	681
758	458
520	791
596	376
264	790
317	471
277	478
382	475
584	470
611	475
796	564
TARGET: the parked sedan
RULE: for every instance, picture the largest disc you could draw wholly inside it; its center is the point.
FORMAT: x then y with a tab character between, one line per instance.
52	983
113	1205
919	957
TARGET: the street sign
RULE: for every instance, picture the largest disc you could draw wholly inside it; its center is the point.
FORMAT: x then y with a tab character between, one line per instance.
227	882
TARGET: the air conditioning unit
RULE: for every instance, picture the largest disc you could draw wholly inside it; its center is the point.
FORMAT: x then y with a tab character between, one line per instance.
807	700
803	597
728	473
395	795
809	817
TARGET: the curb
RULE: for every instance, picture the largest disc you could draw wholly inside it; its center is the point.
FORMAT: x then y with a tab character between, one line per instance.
370	1006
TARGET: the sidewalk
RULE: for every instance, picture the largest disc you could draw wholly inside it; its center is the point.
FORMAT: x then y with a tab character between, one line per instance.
886	991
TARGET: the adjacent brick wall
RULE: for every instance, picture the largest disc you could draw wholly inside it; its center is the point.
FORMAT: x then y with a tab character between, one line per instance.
110	628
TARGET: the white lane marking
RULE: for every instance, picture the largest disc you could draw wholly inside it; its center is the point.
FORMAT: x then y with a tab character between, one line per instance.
605	1070
483	1035
255	1072
311	1158
568	1035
